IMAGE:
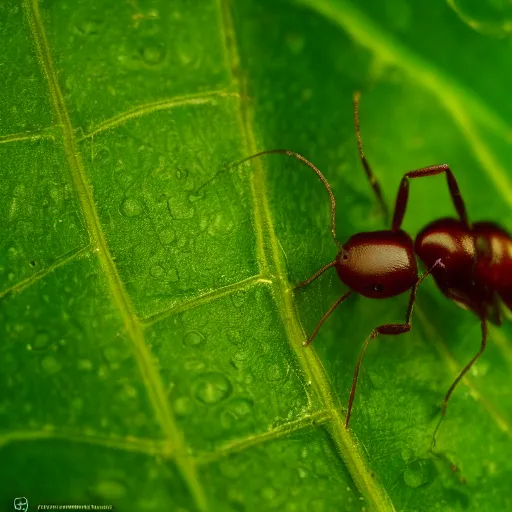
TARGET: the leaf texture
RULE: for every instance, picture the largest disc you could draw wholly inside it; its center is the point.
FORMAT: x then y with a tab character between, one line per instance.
150	335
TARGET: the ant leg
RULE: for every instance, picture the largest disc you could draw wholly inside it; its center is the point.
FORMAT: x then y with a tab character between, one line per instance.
388	330
461	374
371	177
403	193
315	275
326	316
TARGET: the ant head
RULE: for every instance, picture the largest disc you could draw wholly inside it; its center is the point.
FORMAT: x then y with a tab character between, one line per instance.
379	264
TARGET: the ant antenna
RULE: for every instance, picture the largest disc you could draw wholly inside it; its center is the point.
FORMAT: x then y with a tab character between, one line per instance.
373	181
318	173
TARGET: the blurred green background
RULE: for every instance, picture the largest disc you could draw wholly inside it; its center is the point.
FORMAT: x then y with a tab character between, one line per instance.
150	343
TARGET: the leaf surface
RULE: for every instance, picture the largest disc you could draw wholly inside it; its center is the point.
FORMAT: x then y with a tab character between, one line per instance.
150	338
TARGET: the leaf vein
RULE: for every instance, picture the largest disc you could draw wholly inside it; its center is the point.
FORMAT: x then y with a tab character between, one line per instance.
205	298
133	327
312	419
129	444
148	108
349	451
65	259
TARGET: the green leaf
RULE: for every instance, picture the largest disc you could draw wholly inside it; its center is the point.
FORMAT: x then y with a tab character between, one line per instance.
150	339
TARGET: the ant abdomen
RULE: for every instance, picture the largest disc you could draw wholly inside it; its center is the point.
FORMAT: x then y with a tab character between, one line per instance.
378	264
494	259
477	264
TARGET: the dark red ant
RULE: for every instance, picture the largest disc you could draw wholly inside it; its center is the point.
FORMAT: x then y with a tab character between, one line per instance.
471	263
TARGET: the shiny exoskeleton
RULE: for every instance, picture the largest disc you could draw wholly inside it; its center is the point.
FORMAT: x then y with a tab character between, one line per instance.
470	263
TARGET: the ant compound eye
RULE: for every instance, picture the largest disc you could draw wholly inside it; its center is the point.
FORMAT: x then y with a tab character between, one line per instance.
345	256
377	288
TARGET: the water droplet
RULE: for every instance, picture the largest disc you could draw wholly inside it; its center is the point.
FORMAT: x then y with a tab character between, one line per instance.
276	372
269	493
180	209
212	388
235	337
153	54
112	354
492	19
193	365
182	406
181	174
321	467
110	490
41	341
407	454
193	339
101	155
239	298
12	253
84	365
88	27
167	236
50	365
130	392
131	207
418	472
303	472
480	369
157	272
237	413
240	359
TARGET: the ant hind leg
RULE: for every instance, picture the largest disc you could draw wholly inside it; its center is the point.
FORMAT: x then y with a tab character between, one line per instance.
460	376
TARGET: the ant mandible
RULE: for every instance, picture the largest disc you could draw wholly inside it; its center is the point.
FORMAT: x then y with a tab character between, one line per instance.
471	263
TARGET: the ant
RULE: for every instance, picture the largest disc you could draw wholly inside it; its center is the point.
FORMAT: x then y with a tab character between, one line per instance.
470	263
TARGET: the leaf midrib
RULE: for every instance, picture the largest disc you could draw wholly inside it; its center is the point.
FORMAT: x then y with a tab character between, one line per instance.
349	451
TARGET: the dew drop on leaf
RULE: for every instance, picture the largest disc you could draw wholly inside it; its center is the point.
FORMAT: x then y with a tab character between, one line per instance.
157	271
213	388
193	365
153	54
50	365
303	472
418	472
268	493
238	413
275	372
238	298
41	341
182	406
239	359
167	236
131	207
194	339
112	354
84	365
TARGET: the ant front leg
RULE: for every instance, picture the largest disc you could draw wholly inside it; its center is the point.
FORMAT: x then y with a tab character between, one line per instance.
387	330
315	275
460	376
403	193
